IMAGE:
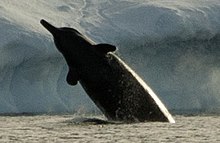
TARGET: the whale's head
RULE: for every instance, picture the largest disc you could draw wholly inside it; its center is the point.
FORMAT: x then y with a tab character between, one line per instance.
65	38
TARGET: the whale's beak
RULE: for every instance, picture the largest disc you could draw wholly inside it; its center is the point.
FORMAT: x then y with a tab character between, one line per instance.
52	29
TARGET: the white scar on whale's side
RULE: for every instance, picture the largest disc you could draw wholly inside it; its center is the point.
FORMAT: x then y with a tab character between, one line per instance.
149	90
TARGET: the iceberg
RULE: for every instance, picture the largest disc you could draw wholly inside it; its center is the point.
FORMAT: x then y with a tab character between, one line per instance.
173	45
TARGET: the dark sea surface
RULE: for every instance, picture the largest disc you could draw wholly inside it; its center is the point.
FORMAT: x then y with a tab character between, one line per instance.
72	128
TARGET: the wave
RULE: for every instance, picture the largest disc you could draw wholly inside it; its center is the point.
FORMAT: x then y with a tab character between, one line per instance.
174	46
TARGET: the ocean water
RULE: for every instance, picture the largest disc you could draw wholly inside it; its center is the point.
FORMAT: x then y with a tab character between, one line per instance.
71	128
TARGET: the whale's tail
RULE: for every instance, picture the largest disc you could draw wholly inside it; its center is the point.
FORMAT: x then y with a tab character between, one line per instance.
52	29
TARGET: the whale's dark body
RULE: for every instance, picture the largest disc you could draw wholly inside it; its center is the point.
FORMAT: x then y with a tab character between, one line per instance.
117	91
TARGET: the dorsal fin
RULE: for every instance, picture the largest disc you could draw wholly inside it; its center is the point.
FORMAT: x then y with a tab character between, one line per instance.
104	48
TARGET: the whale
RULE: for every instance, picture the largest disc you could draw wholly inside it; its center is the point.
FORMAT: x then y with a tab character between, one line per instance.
117	90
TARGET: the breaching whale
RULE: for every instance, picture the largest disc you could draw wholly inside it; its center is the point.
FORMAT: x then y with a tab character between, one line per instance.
112	85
